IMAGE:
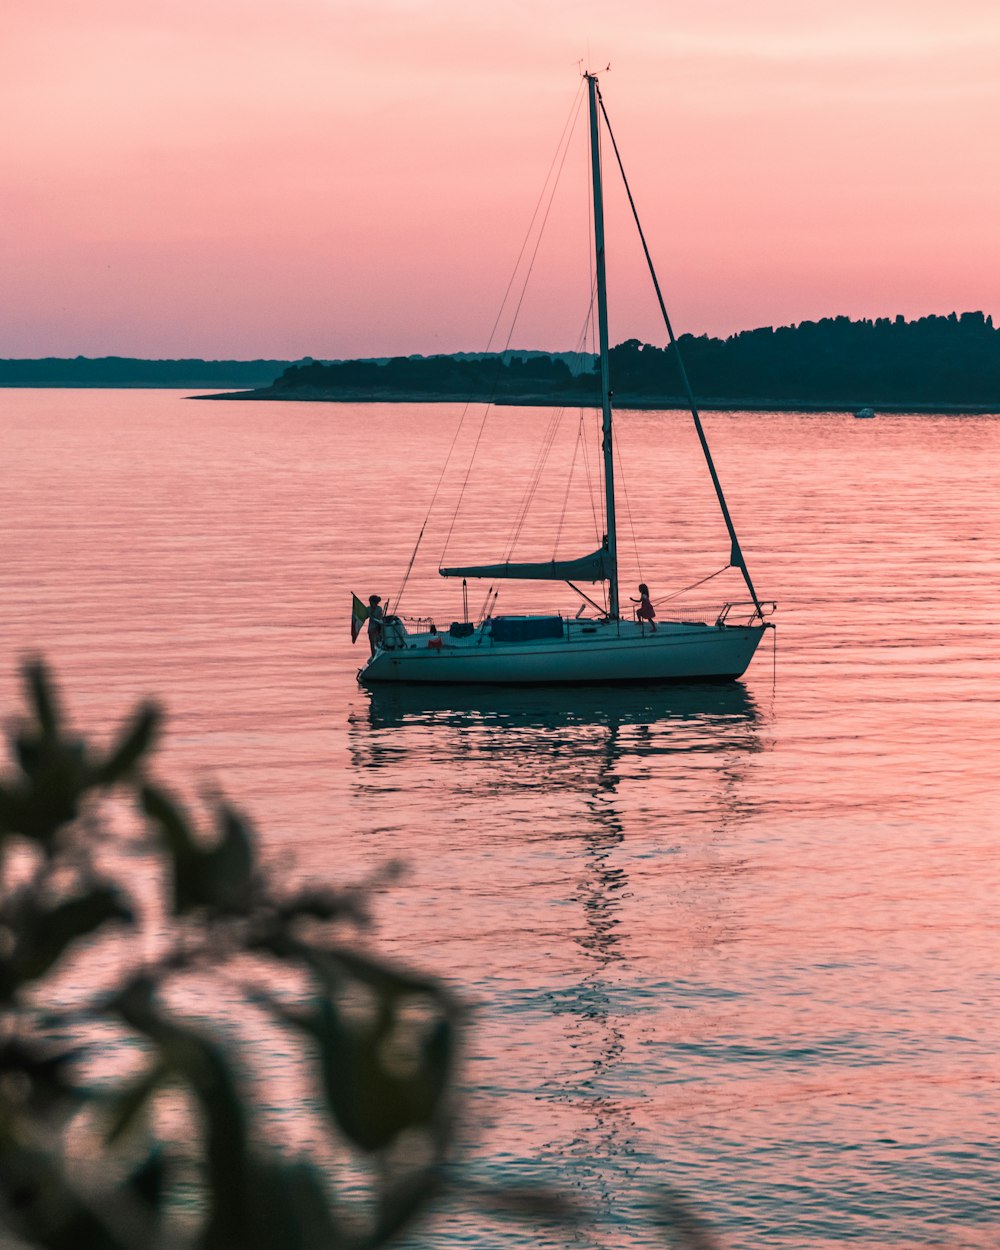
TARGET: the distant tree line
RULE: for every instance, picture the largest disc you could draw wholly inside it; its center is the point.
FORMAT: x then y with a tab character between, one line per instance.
947	360
937	360
489	376
125	371
111	371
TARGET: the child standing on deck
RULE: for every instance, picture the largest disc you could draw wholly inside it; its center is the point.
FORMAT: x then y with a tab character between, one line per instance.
645	611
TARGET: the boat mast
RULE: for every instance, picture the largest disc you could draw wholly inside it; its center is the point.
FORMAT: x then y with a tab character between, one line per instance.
602	333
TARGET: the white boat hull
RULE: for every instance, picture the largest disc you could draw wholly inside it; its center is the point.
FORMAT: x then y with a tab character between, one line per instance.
588	652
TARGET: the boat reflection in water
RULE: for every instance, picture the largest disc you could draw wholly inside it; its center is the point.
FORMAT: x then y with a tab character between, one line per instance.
584	865
480	743
664	710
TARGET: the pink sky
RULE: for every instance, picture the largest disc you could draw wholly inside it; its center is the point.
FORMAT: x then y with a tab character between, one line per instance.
231	178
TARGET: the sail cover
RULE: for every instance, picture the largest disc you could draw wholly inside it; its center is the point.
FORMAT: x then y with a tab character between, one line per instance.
592	568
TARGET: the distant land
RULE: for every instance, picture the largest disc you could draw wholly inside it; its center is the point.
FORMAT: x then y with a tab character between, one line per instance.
934	364
124	371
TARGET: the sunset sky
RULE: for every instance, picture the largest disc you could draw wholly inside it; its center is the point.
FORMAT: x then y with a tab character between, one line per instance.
235	178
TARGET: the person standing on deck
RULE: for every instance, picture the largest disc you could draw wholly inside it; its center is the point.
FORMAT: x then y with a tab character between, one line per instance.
375	615
645	611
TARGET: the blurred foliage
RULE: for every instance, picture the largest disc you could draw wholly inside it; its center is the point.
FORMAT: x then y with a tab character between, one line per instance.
84	1163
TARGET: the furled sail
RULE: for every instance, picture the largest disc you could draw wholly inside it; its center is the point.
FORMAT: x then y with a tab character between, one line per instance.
592	568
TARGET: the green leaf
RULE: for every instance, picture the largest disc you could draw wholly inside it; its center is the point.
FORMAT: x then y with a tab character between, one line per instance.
45	933
309	1209
220	877
49	1073
147	1182
171	821
403	1200
229	868
42	1208
362	1096
136	740
316	903
42	697
12	809
285	1206
48	796
204	1067
392	981
129	1102
178	841
372	1100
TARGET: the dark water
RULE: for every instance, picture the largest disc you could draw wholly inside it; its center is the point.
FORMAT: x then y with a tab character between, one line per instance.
742	940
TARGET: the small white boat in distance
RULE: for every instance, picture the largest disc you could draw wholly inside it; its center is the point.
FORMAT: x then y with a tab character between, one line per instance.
558	650
865	413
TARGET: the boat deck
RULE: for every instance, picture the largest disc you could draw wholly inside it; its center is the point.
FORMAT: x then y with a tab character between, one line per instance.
584	651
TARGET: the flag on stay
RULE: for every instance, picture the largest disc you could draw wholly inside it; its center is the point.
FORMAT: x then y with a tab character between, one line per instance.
359	614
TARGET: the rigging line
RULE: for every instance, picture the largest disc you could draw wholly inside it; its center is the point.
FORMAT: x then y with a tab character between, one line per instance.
736	554
593	603
391	605
430	506
568	126
486	600
578	351
489	607
694	585
628	506
588	323
565	503
517	311
547	445
541	458
590	477
549	442
598	532
541	231
587	329
552	429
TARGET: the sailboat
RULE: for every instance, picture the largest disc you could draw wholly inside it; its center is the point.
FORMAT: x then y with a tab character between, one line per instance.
535	649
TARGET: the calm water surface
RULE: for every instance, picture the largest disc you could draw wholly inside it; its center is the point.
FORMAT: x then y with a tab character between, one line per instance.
737	940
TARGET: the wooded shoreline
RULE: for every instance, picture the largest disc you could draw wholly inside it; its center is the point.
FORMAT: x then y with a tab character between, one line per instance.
945	364
934	364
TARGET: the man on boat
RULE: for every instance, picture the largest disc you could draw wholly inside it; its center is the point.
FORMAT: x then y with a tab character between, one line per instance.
375	615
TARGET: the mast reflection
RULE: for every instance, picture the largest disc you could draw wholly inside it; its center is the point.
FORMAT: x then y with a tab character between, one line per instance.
587	764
